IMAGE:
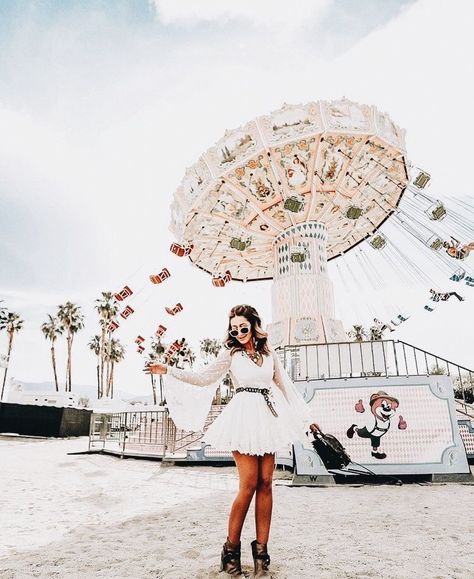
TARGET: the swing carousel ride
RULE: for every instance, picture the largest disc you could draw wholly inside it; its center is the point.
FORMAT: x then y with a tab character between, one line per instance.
280	197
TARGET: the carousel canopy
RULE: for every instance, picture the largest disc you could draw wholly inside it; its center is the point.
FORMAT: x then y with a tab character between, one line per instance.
338	163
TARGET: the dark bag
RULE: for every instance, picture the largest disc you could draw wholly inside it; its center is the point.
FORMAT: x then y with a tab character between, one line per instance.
330	450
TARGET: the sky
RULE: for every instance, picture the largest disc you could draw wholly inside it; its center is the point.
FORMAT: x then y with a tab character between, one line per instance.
103	106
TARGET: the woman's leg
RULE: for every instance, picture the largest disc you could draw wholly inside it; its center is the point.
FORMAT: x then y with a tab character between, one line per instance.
264	497
247	466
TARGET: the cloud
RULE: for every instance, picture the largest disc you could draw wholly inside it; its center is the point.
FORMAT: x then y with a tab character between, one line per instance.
267	13
100	131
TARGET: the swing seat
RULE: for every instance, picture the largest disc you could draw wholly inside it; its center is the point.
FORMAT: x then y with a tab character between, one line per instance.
435	243
160	331
458	275
164	274
354	212
429	308
123	294
422	180
378	242
181	250
238	244
221	280
436	212
293	204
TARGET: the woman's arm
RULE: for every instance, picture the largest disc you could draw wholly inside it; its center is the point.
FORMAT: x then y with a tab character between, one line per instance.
208	375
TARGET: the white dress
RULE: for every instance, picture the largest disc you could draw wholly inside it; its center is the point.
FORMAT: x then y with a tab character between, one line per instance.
246	423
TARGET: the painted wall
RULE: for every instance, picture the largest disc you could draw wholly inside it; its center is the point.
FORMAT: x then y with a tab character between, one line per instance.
410	427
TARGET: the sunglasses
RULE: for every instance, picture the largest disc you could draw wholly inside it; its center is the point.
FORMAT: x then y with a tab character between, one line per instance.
244	330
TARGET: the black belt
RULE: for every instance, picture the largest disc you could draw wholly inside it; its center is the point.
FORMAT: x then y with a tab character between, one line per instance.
263	391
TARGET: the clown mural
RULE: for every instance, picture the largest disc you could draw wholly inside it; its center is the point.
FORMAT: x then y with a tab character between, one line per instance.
383	407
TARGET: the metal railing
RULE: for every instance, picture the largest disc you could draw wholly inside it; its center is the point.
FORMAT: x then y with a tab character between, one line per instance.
465	409
150	432
375	358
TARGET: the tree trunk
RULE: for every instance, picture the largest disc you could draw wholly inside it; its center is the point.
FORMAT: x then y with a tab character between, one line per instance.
107	378
112	365
153	387
162	399
110	379
10	343
69	366
98	377
102	344
53	358
68	349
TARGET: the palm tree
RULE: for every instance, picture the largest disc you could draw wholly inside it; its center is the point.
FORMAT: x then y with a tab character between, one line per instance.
72	321
107	308
3	358
115	353
157	354
51	330
12	323
210	348
185	355
94	345
358	333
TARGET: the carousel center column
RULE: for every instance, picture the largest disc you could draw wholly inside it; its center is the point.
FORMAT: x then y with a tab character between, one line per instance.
302	293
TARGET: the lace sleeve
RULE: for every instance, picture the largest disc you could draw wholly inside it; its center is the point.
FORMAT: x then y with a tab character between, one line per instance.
298	407
189	393
208	375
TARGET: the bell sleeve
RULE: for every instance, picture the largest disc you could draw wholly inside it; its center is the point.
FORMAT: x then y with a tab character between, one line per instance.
298	409
189	393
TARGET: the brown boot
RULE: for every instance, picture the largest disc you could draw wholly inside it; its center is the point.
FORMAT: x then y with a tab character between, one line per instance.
230	558
261	559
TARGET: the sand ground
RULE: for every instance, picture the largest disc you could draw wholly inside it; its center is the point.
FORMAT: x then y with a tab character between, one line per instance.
87	516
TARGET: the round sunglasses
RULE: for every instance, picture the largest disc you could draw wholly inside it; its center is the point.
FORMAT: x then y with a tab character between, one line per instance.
243	330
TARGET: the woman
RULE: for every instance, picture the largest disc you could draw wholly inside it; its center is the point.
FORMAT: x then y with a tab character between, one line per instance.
266	414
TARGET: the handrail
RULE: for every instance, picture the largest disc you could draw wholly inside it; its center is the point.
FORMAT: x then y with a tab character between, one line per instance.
467	409
435	356
145	428
369	358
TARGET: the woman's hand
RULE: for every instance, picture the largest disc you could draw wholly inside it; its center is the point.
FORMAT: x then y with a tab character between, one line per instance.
155	368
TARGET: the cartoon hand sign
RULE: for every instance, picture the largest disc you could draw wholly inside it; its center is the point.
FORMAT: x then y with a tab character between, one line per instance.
359	407
402	424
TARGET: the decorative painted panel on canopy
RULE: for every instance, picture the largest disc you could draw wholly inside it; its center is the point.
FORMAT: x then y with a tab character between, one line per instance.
339	163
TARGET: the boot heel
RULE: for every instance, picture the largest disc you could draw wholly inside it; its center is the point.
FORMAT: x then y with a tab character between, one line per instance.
261	559
230	560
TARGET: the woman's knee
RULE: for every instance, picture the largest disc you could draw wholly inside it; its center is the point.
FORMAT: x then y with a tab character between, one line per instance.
248	485
265	483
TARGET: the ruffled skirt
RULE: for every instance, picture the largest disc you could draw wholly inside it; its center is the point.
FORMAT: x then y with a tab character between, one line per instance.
247	424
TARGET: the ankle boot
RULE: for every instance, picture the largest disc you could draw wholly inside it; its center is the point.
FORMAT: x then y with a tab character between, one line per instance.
230	558
261	559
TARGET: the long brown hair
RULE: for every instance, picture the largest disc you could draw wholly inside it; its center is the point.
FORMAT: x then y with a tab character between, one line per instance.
258	335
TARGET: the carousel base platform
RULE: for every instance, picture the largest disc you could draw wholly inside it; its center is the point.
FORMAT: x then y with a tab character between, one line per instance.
203	455
359	480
